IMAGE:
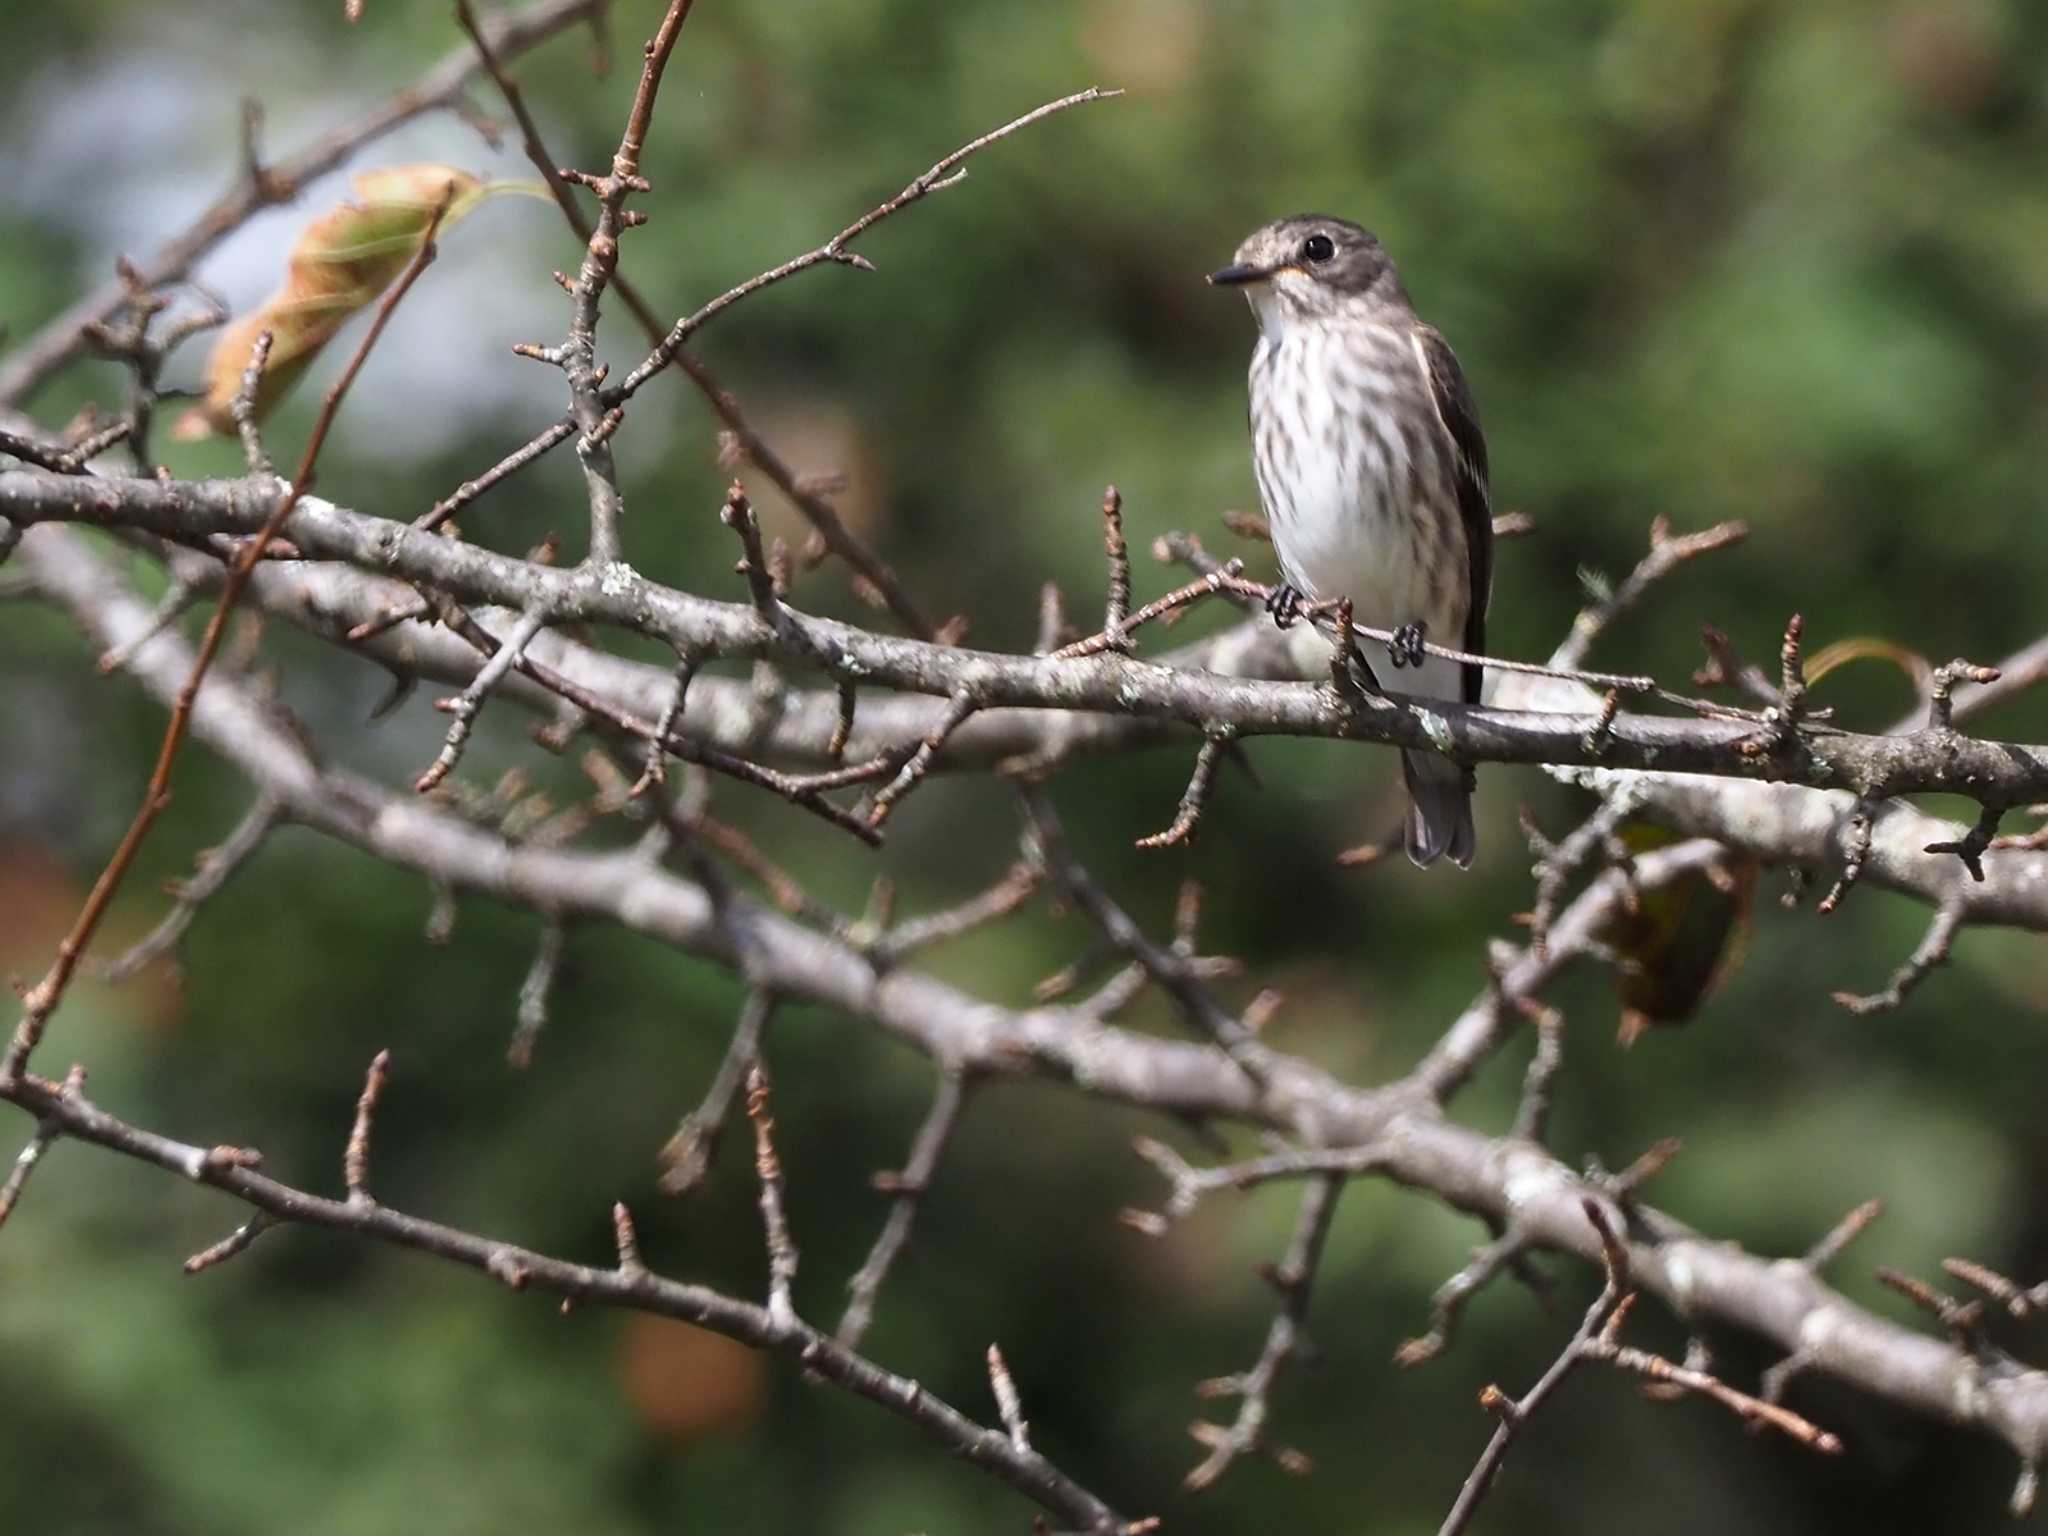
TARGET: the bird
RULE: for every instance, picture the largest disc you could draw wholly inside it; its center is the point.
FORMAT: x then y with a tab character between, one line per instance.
1372	469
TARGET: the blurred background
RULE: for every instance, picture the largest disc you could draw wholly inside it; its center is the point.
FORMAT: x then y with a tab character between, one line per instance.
1780	260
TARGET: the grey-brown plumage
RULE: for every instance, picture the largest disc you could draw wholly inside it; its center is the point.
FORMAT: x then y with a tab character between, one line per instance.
1373	472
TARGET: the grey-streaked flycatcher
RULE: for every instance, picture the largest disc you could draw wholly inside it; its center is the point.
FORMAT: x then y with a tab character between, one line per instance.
1372	469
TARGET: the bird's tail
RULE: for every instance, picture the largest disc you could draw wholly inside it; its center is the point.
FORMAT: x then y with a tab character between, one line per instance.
1439	809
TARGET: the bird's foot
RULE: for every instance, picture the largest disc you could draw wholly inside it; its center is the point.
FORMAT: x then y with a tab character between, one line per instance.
1284	603
1405	649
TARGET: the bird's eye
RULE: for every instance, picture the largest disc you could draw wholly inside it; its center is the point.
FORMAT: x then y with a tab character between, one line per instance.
1318	248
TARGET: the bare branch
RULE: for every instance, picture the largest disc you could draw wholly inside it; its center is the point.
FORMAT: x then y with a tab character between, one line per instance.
1484	1025
523	1269
830	527
1877	766
1116	637
1972	845
1939	707
1715	1283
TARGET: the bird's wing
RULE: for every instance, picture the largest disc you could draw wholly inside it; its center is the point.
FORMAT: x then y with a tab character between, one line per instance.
1455	408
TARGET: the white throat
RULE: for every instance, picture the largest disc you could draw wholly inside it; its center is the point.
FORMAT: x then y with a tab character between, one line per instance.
1273	313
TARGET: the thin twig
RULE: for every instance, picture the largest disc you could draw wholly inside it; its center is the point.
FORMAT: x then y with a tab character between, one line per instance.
1008	1403
1556	863
1862	823
1173	972
947	172
1668	552
212	870
468	704
1447	1305
782	1256
1117	637
656	771
1286	1338
1001	899
1625	1187
1191	1184
1974	844
687	1157
178	599
1512	1411
1933	951
1844	1232
242	409
1532	1116
1196	797
2021	1301
907	1189
1598	1339
805	793
959	709
235	1242
1940	708
1119	556
627	1240
39	1142
499	472
355	1160
535	993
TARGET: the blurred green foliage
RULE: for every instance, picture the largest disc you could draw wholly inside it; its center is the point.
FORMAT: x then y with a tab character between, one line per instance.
1772	259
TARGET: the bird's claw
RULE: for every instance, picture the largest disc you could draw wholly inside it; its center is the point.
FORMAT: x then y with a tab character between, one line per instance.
1284	604
1405	649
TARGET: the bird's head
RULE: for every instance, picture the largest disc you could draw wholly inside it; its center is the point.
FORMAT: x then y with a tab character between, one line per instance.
1311	267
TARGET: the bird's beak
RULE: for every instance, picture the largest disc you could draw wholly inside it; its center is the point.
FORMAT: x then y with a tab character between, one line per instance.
1240	274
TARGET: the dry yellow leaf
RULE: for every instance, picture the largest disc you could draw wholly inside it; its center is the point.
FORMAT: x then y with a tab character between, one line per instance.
342	262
